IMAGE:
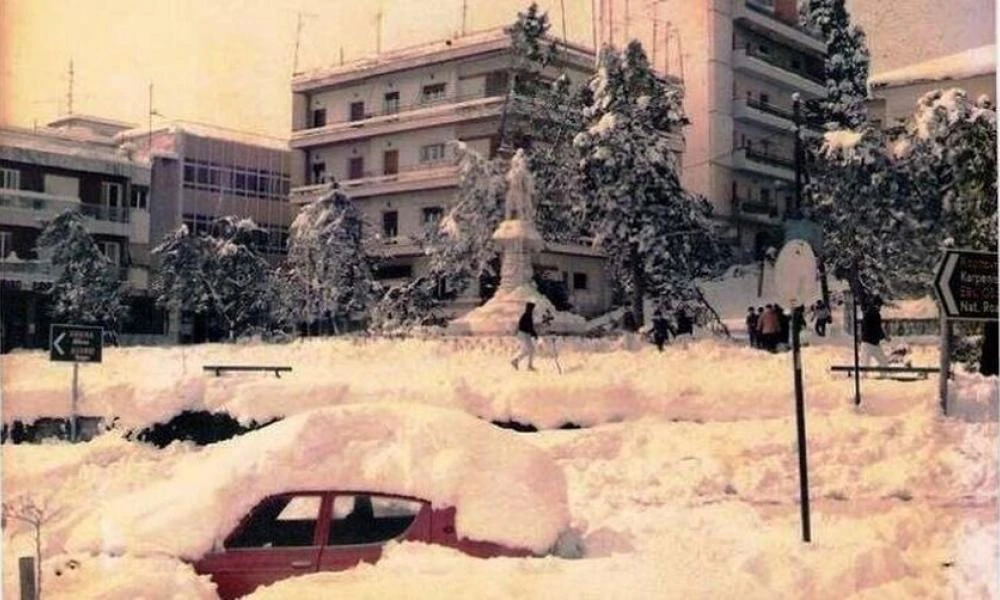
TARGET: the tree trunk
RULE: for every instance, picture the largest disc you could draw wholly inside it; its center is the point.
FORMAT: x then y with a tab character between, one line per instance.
638	283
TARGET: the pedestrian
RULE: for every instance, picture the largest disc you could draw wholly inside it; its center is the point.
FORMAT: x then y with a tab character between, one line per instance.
751	321
822	316
685	324
784	327
629	326
661	328
872	334
768	326
526	335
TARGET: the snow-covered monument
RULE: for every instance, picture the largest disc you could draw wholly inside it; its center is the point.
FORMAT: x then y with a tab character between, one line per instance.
519	241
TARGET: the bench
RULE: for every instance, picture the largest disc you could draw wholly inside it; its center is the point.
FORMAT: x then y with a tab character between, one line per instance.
220	368
920	372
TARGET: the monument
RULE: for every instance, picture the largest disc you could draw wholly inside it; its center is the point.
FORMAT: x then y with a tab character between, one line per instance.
519	240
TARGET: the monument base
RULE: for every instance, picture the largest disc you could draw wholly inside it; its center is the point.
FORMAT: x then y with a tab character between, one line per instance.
500	314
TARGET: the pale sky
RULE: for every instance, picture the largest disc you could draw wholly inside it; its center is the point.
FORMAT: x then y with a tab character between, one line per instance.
229	62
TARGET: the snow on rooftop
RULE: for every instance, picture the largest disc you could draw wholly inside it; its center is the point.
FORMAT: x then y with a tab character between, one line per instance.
505	489
961	65
210	131
72	143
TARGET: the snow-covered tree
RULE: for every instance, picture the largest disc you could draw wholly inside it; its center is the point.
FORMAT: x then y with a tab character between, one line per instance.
220	275
88	288
846	65
329	273
657	236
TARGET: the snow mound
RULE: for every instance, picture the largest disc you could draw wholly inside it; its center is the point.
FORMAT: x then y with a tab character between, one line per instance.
505	489
501	313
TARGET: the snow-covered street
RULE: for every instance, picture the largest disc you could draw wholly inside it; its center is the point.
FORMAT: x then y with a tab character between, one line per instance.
683	483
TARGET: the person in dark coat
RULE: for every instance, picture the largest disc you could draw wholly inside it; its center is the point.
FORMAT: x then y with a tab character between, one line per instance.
872	334
629	326
526	335
989	359
784	326
751	321
822	316
685	325
661	329
768	327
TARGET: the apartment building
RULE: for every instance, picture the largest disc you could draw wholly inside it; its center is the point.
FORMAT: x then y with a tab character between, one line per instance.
73	163
741	61
380	127
202	172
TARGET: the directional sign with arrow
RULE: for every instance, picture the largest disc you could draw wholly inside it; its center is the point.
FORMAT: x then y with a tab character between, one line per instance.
966	285
75	343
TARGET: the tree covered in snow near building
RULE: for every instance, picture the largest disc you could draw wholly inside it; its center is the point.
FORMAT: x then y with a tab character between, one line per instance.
657	236
950	149
877	234
88	288
220	275
328	275
846	65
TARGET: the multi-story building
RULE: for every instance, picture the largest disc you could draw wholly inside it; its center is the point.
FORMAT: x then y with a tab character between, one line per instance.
203	172
741	62
380	127
74	163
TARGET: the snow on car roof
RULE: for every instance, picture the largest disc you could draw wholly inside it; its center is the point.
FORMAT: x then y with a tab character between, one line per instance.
505	489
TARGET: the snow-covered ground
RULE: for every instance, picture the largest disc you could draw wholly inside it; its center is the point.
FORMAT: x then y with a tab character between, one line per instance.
684	485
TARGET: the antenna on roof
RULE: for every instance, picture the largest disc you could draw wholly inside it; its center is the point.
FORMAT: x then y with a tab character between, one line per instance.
465	9
298	38
69	91
562	11
378	30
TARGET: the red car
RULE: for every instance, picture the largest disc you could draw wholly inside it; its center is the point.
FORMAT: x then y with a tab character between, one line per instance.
304	532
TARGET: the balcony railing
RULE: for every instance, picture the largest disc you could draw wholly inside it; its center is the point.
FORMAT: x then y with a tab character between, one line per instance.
758	208
53	204
388	111
774	62
43	270
769	158
770	109
768	11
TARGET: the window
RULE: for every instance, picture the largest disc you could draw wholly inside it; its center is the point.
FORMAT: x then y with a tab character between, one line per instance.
390	224
432	92
763	49
279	521
394	272
431	153
140	197
59	185
10	179
497	83
6	244
319	117
111	194
579	281
432	214
765	196
391	105
390	162
368	519
355	167
357	111
318	172
111	251
189	172
764	98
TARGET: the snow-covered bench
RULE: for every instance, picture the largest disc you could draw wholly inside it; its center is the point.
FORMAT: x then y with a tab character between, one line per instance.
920	372
218	369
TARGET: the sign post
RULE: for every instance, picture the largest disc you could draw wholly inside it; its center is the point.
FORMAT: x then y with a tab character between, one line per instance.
965	284
795	276
75	344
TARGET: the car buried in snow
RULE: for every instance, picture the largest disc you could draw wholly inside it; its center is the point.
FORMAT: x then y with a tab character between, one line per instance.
297	533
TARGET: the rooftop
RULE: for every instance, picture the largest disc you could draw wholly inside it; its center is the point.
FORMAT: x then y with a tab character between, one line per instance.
73	143
208	131
81	119
961	65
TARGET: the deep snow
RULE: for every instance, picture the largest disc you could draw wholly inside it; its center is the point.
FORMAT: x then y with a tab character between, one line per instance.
686	485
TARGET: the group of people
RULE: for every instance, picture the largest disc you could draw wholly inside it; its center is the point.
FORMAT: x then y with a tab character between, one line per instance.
769	327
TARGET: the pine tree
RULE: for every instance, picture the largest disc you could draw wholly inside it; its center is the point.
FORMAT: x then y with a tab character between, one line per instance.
657	236
88	288
847	63
329	274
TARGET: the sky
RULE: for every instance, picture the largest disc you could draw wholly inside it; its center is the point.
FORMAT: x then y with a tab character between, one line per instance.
228	62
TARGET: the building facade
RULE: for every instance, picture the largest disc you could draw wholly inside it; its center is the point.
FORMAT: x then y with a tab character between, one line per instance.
380	127
201	173
74	163
741	61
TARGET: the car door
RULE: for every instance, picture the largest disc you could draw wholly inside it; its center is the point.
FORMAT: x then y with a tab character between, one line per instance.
360	524
279	538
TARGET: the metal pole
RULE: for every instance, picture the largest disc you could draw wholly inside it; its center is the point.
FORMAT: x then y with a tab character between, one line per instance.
797	203
945	362
800	423
72	410
854	330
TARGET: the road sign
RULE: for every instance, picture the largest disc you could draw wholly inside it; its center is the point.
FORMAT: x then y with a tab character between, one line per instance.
795	274
966	285
75	343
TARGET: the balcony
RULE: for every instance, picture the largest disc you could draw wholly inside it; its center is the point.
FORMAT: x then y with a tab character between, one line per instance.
764	163
764	114
27	274
33	209
757	16
424	176
444	111
770	69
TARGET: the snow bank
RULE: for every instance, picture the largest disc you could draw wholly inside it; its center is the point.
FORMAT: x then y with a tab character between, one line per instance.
505	489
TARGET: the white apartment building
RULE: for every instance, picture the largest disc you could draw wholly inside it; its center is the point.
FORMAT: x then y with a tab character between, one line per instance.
741	61
381	126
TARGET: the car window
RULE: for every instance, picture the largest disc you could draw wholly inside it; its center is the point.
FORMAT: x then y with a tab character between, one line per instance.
279	521
370	518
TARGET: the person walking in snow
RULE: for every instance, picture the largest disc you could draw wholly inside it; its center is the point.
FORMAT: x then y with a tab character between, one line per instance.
751	321
629	326
822	317
872	334
769	328
661	328
526	335
784	327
